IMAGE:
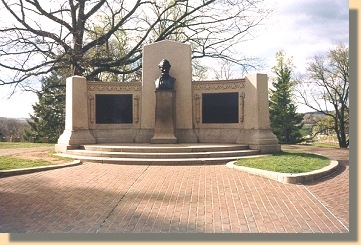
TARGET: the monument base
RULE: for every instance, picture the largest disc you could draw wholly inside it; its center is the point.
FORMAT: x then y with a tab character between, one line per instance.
163	140
164	128
263	140
72	139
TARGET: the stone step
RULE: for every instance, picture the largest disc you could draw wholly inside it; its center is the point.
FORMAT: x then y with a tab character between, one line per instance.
161	154
164	161
164	148
165	155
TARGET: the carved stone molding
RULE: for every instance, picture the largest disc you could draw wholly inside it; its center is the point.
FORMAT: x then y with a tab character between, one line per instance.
219	85
241	107
116	87
136	108
197	99
92	108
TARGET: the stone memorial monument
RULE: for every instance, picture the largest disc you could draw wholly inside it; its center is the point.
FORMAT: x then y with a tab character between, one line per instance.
168	108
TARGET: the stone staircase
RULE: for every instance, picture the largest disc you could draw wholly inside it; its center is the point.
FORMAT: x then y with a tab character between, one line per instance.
161	154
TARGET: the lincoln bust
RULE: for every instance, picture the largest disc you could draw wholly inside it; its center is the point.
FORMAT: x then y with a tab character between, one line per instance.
165	81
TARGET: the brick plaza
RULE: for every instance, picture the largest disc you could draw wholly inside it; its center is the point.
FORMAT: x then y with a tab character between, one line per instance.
109	198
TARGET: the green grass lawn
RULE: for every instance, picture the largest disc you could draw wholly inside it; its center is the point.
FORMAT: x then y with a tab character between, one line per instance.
286	161
18	160
12	145
9	162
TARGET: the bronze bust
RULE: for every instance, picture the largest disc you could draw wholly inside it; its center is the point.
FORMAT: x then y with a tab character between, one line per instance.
165	81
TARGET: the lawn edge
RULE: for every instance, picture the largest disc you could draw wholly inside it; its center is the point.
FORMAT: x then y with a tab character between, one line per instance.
289	178
20	171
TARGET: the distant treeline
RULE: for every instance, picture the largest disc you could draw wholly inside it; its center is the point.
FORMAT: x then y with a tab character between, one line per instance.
12	127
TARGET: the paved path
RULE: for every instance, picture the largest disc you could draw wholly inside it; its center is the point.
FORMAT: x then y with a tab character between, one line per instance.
113	198
332	191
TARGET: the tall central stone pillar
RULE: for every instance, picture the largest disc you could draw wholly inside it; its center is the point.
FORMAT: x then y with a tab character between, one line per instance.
164	128
179	56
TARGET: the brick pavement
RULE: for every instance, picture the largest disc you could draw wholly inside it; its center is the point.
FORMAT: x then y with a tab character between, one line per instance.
333	190
107	198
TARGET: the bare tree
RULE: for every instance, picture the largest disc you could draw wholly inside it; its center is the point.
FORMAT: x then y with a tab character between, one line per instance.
326	89
12	128
224	70
41	36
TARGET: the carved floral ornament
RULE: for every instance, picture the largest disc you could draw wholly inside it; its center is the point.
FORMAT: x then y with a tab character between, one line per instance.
114	87
219	86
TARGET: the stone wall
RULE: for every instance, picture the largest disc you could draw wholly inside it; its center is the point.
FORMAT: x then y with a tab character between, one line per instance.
115	133
252	127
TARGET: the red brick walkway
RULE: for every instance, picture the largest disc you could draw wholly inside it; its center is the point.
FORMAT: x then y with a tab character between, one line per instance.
186	199
332	191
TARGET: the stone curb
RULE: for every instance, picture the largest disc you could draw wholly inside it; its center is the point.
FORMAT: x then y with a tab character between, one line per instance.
13	172
289	178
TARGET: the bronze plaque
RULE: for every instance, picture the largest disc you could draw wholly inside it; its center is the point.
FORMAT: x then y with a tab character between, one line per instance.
114	108
220	108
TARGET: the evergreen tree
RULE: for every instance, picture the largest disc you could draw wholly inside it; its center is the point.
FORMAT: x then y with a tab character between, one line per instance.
48	119
284	120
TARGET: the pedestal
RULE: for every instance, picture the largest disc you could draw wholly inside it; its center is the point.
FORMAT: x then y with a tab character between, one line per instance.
164	128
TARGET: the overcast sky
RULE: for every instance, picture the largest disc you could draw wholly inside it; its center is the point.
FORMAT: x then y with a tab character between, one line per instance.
302	28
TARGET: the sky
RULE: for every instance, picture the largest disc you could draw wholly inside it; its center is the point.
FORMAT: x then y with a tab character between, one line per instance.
301	28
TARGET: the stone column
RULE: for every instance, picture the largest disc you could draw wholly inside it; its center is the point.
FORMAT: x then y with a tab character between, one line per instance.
179	56
257	130
164	128
76	116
